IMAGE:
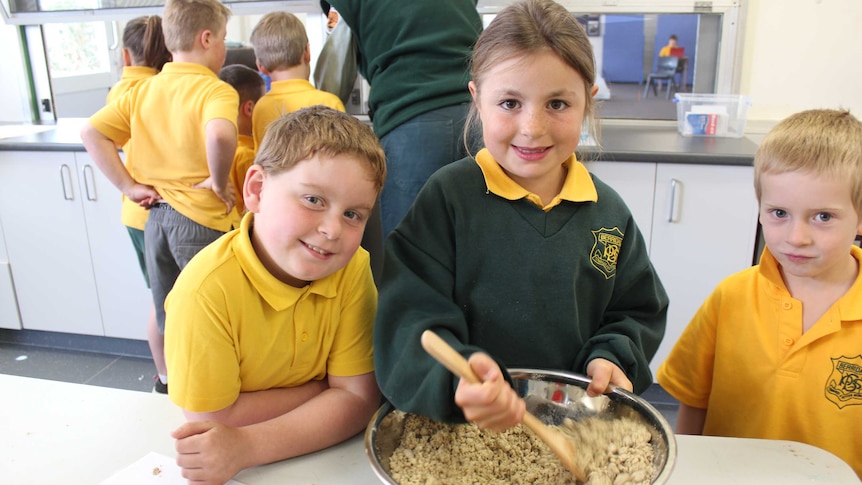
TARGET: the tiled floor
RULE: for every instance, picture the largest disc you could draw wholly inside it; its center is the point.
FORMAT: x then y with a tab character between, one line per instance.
103	365
98	368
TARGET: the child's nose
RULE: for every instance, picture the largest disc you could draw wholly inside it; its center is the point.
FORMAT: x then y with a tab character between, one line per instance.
535	123
799	234
330	226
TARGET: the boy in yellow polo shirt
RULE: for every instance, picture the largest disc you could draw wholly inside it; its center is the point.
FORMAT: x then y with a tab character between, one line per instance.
269	335
776	351
183	123
250	86
281	47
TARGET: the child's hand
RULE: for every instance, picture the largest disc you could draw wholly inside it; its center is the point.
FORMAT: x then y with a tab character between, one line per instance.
604	373
208	452
493	404
227	194
143	195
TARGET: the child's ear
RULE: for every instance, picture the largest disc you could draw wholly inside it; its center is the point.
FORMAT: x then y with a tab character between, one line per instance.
253	188
127	57
260	68
306	56
595	90
247	108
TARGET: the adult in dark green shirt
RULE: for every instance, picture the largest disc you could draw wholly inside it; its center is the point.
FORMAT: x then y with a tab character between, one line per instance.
414	55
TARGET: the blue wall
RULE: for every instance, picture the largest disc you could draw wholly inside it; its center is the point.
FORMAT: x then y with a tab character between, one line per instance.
622	60
623	44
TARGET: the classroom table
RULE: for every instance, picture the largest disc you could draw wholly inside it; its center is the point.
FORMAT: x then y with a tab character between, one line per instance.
57	432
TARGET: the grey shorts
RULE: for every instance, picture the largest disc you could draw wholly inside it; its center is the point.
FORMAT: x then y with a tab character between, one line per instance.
171	241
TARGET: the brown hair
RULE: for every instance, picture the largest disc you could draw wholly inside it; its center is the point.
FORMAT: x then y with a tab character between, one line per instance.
184	20
527	27
144	40
319	130
279	40
247	82
824	142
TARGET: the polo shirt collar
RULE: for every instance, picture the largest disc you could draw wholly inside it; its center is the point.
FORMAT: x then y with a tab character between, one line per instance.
578	186
289	86
849	305
186	68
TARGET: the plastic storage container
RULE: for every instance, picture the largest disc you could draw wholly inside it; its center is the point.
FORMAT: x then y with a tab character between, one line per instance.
711	114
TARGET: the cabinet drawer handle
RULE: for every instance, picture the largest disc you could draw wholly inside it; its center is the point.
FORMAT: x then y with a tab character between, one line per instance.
66	174
671	210
89	179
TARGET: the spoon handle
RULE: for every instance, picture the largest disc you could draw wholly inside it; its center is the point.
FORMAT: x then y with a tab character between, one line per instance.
449	357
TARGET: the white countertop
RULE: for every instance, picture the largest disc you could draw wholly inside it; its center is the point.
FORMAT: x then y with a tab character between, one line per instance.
56	432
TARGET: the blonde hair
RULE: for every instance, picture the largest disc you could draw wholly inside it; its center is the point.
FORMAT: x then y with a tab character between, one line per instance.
824	142
319	130
184	20
528	27
279	40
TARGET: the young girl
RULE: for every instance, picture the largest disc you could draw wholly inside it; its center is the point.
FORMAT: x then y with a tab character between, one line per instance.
518	257
144	54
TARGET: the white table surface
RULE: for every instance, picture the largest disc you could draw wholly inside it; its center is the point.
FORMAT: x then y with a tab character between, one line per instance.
60	433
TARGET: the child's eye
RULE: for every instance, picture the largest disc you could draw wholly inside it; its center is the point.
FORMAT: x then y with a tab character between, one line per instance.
353	215
779	213
313	200
823	217
558	105
509	104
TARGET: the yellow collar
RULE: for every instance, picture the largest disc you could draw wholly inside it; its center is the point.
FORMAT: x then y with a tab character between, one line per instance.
578	186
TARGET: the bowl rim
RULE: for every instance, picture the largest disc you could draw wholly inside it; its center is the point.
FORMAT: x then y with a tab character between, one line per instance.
526	373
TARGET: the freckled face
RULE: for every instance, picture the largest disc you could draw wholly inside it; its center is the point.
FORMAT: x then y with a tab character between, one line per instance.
532	108
809	223
309	220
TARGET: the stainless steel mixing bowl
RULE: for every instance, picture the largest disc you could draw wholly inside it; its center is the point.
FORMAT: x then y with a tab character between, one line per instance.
552	396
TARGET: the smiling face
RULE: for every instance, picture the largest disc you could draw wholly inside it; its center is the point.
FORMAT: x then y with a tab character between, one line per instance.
532	108
309	220
809	223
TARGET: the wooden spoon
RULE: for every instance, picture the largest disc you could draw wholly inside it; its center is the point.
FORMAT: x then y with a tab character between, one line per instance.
556	441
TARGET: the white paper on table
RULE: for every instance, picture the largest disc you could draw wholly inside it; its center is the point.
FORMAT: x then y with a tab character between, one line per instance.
154	468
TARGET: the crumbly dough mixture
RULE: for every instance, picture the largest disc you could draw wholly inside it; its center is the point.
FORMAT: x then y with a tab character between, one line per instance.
611	452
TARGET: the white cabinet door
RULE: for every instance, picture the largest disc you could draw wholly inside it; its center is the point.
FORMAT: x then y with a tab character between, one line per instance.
8	302
124	298
635	182
704	229
46	241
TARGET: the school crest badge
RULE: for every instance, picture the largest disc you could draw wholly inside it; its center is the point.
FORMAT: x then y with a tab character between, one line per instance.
844	384
606	250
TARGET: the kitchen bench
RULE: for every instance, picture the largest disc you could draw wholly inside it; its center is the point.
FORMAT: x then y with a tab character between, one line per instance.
57	432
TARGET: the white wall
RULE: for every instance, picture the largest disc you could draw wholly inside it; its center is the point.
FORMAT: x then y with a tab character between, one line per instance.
801	54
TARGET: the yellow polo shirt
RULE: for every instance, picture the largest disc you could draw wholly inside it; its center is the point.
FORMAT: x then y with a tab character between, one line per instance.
243	159
745	359
286	97
132	215
167	117
233	327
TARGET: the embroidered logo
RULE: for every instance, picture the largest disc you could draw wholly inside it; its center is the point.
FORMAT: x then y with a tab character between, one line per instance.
606	250
844	384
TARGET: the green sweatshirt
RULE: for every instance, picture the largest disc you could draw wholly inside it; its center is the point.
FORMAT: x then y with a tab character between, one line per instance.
413	53
533	289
